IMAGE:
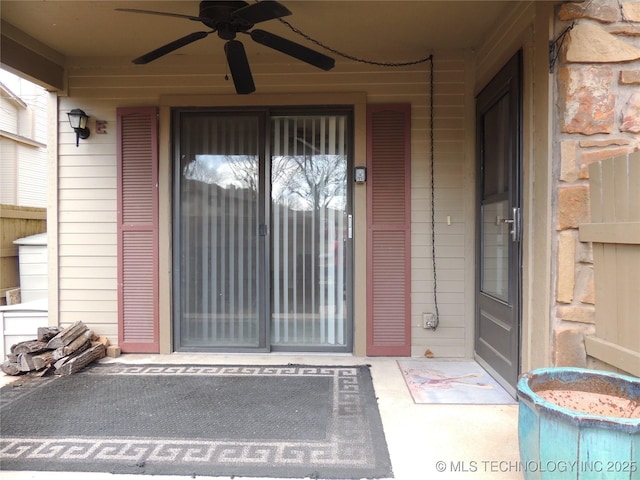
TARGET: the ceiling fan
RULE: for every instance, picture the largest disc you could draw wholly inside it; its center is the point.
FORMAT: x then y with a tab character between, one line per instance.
228	18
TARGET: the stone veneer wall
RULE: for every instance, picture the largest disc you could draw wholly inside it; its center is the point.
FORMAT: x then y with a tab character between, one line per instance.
597	117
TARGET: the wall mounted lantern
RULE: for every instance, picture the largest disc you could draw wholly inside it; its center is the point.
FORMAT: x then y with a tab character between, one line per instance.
78	120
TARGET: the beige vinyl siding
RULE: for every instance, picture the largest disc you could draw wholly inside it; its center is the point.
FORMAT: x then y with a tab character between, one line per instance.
8	172
23	156
32	178
32	181
451	169
87	175
87	222
9	113
23	173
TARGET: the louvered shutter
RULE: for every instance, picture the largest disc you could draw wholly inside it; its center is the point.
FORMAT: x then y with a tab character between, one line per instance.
388	230
138	230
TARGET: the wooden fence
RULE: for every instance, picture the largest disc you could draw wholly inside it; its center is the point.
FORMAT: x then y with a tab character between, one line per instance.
16	222
615	233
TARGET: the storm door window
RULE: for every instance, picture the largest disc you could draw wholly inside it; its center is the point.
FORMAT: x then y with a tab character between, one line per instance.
496	239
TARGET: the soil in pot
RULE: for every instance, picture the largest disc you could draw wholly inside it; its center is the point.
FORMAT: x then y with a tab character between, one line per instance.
592	403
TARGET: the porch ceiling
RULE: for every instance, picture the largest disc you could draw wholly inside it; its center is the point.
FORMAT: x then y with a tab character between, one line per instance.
378	30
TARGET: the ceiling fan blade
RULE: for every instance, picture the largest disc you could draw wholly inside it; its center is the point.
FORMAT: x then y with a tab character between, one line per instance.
164	14
239	66
293	49
169	47
260	12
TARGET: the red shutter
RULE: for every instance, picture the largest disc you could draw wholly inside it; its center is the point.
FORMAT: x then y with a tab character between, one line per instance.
389	230
138	230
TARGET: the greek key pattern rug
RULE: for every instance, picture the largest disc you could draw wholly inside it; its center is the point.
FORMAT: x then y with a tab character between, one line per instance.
269	421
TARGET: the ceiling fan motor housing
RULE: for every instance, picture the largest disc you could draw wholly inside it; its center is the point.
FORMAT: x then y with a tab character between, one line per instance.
217	15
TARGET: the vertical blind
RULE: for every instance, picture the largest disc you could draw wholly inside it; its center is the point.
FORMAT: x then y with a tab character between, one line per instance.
218	231
308	181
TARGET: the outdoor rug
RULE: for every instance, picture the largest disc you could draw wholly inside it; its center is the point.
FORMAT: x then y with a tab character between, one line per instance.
452	382
270	421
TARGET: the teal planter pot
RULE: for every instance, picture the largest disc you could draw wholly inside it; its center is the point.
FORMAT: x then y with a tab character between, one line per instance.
557	442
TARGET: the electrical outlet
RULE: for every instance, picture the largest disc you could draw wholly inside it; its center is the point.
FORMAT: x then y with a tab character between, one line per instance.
428	320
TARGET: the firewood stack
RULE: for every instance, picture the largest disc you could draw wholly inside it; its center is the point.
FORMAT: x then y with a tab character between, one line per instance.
65	350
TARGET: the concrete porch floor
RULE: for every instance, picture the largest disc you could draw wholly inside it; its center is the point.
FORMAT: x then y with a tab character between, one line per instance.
473	442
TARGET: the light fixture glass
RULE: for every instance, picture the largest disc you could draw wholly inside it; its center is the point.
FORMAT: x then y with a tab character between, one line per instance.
78	121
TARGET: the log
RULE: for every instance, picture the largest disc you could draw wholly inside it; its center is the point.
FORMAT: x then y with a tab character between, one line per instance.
47	333
10	368
80	361
25	364
40	373
43	360
29	346
102	340
33	361
61	353
68	335
61	362
81	341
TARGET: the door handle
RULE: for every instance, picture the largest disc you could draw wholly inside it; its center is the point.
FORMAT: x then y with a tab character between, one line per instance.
515	224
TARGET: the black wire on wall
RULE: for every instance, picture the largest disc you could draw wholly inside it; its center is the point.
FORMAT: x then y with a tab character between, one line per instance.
436	321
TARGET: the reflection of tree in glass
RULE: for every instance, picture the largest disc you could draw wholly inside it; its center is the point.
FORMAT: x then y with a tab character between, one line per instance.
310	182
239	171
302	182
243	170
201	170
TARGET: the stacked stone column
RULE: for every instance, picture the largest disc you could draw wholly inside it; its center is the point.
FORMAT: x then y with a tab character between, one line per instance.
597	117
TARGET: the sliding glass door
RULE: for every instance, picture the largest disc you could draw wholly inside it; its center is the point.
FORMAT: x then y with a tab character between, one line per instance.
261	231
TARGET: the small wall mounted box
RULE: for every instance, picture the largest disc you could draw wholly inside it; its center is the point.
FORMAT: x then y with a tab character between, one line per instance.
360	174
